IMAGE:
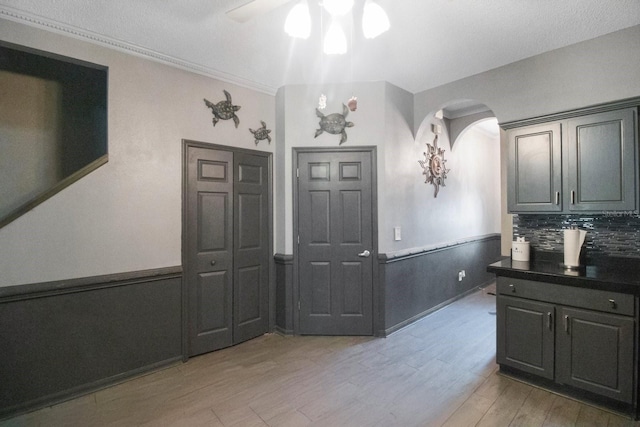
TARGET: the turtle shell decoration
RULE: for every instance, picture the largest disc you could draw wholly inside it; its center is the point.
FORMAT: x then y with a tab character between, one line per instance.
223	110
261	133
334	124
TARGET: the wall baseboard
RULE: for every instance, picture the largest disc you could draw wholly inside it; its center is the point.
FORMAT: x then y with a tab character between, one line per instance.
68	338
281	331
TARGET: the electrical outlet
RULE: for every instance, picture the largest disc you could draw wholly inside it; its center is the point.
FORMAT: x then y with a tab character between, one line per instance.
461	275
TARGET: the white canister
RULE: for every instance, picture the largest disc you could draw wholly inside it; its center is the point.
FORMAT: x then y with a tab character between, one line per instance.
520	250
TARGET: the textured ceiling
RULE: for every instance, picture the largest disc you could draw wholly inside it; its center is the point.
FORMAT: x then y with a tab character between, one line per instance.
431	42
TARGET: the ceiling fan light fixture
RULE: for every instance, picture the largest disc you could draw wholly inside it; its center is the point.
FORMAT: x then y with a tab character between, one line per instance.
337	7
335	41
374	20
298	22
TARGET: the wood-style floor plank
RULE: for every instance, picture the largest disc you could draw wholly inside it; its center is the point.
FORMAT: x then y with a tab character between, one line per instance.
439	371
534	410
564	412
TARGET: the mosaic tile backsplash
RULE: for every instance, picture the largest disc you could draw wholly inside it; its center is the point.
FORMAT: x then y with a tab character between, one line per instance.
611	234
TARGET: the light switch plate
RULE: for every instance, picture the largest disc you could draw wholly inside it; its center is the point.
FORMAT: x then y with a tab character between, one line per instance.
397	234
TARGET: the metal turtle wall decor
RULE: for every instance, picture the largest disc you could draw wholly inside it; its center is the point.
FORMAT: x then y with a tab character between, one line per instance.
334	124
261	133
433	166
223	110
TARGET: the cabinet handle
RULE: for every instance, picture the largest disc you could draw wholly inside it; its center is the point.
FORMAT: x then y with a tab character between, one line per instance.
573	197
557	197
566	323
549	321
613	304
512	287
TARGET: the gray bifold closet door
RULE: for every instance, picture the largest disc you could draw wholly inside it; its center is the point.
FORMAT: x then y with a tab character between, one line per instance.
227	247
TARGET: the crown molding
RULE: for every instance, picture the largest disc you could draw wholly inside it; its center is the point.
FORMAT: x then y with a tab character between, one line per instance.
564	115
122	46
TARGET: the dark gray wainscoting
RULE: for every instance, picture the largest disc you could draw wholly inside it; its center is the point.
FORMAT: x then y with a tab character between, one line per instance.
62	339
407	286
284	293
414	285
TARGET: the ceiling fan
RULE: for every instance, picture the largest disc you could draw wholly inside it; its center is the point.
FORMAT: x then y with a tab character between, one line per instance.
254	8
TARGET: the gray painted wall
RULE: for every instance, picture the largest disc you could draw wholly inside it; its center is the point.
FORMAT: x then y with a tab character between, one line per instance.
596	71
296	109
415	285
62	339
468	206
125	216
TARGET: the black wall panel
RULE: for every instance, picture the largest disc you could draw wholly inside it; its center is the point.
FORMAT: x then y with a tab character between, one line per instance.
407	287
413	285
61	339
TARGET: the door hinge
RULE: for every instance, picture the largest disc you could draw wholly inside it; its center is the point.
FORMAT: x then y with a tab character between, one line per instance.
298	305
298	239
297	172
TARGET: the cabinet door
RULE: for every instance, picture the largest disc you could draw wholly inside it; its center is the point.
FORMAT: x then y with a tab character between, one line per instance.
525	337
595	352
601	156
535	169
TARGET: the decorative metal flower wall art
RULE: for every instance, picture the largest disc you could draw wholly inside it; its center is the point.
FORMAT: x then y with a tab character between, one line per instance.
223	110
433	166
261	133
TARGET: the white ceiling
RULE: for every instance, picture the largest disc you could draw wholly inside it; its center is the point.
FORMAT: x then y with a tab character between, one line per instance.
431	42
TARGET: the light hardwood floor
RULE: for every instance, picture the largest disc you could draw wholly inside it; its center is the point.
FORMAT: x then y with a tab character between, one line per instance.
439	371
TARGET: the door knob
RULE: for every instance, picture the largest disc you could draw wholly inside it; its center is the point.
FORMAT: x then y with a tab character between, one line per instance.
364	254
213	262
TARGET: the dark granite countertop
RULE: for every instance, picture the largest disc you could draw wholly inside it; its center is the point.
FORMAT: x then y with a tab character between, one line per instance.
617	276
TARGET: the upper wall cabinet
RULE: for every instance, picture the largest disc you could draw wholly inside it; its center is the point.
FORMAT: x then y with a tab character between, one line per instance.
582	163
535	169
602	166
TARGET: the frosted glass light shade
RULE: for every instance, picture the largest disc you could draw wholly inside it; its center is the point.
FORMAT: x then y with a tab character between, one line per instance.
298	23
335	41
337	7
374	20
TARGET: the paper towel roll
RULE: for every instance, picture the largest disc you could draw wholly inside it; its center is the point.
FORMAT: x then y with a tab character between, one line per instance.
573	240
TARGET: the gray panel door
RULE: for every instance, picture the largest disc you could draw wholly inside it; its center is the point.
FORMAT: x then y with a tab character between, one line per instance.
251	247
209	258
227	247
535	169
335	251
525	335
602	161
606	368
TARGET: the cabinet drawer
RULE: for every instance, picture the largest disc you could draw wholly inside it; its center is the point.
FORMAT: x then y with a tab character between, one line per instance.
574	296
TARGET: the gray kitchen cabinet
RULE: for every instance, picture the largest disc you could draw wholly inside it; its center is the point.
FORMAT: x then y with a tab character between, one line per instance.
582	338
601	161
580	163
595	352
525	337
535	169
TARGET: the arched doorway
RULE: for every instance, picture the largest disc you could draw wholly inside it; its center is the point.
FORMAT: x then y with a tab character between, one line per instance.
468	131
